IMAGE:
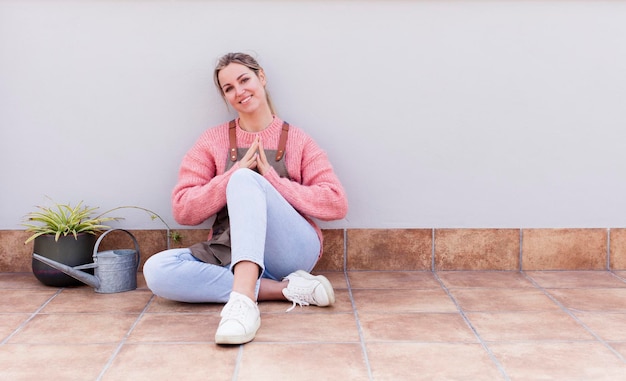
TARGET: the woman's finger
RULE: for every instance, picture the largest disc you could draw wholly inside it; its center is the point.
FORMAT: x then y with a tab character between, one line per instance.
249	160
262	163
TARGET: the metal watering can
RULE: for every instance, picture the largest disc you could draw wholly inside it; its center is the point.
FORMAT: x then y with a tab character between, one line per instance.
115	270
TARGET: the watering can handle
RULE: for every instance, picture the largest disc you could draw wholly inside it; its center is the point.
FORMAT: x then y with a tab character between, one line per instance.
95	248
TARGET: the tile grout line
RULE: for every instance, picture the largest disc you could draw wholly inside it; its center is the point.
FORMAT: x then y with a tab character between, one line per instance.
432	251
345	251
359	329
482	342
31	317
521	252
608	249
573	316
238	363
123	341
621	278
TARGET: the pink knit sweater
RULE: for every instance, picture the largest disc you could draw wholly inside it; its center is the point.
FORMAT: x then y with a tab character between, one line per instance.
313	190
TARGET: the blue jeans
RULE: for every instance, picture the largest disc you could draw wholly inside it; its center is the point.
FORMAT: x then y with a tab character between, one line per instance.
264	228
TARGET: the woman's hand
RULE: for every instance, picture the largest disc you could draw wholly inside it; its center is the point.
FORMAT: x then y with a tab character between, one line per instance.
255	157
249	160
261	160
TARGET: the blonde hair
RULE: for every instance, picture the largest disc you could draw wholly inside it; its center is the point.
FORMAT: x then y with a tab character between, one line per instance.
245	60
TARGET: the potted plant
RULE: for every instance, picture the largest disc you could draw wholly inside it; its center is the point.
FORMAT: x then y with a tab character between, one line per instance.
66	234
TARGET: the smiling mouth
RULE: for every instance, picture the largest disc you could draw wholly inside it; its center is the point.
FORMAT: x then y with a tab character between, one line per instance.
246	100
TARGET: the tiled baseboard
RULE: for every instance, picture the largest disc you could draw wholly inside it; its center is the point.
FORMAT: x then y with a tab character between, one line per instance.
405	249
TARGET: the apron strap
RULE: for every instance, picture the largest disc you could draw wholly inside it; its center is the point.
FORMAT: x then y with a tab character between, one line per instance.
282	143
232	137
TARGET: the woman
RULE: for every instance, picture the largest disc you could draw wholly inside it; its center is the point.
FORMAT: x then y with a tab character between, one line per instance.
264	180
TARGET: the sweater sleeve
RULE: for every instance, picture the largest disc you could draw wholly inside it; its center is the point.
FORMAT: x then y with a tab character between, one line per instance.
200	191
318	193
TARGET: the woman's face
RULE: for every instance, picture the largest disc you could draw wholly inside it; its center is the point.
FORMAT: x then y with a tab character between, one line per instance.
242	88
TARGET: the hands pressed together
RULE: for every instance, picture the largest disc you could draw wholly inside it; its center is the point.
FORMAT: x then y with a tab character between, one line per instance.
255	157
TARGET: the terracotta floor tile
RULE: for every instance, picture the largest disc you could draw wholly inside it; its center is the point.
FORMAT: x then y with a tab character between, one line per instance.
431	361
559	361
166	362
576	279
175	328
16	256
329	328
564	249
525	326
617	247
161	305
500	300
411	327
422	327
477	249
389	249
334	245
403	301
302	362
620	348
86	300
75	329
597	299
609	326
28	300
54	362
484	279
9	323
393	279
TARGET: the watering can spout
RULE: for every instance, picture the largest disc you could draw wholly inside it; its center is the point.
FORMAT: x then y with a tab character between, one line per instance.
74	272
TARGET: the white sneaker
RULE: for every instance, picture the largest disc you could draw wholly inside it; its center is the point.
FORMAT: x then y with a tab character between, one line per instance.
240	320
305	289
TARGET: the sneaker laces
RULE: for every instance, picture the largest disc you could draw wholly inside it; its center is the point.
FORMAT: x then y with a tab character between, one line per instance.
235	310
303	299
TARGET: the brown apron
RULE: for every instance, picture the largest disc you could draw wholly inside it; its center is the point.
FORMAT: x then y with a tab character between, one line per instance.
217	250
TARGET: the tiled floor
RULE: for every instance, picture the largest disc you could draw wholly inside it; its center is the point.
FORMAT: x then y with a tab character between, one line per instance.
384	326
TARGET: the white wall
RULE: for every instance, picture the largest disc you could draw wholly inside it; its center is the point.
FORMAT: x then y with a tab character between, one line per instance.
434	113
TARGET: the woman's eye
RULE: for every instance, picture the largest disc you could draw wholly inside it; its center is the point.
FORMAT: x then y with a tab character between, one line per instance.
227	89
244	80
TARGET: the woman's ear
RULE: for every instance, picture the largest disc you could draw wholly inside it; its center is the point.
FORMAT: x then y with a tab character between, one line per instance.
261	75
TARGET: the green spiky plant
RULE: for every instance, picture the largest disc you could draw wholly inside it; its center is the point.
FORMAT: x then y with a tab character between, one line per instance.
64	219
